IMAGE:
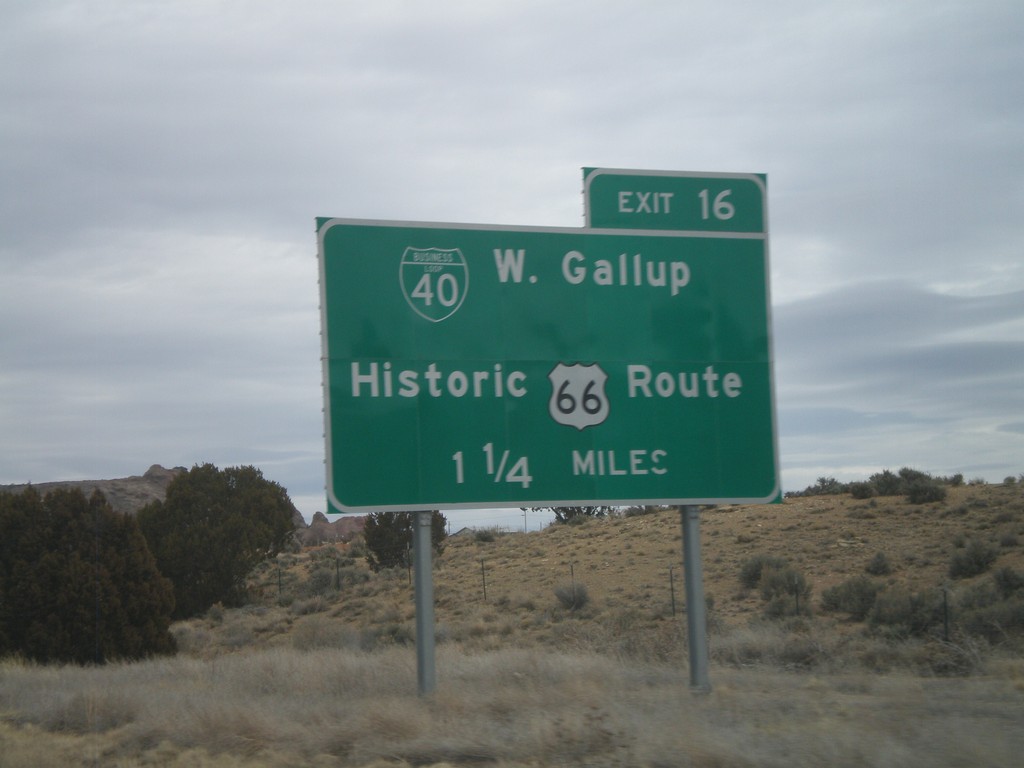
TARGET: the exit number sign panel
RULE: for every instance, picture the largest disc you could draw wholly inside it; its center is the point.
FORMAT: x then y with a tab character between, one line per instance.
673	200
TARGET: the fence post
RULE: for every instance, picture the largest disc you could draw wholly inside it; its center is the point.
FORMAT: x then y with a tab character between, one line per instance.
945	613
672	588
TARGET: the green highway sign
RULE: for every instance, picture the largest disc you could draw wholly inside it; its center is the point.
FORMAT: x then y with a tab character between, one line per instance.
672	200
472	366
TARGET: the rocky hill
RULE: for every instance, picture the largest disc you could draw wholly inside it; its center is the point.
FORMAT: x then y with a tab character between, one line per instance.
322	531
127	495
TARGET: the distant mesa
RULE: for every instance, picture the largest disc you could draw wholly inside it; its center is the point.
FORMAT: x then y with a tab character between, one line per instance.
159	474
321	530
127	495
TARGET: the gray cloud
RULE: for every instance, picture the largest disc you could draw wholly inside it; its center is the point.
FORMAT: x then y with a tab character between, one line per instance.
163	164
900	332
895	370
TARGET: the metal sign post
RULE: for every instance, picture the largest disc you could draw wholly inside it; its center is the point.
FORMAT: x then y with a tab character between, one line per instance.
422	563
696	608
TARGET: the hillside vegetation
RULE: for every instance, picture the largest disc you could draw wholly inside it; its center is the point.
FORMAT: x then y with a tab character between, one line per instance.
326	596
843	631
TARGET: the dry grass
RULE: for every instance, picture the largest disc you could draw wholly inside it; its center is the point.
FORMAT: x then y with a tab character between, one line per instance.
309	674
507	708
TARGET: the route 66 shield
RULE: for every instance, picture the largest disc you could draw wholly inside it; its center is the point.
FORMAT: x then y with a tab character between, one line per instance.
578	397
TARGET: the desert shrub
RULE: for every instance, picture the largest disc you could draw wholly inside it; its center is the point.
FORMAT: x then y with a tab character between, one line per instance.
785	591
215	613
323	554
1010	480
924	490
572	596
824	486
879	565
484	535
919	487
979	595
994	609
777	644
802	652
315	604
886	483
387	636
320	581
752	568
909	475
899	613
997	622
863	512
357	548
388	537
780	580
1008	581
927	656
573	515
973	559
854	597
862	490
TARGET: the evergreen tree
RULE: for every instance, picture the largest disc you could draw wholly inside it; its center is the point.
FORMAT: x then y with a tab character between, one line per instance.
573	514
213	528
388	537
78	583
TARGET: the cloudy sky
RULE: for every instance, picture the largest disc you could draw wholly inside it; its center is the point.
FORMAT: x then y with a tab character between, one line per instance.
161	165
